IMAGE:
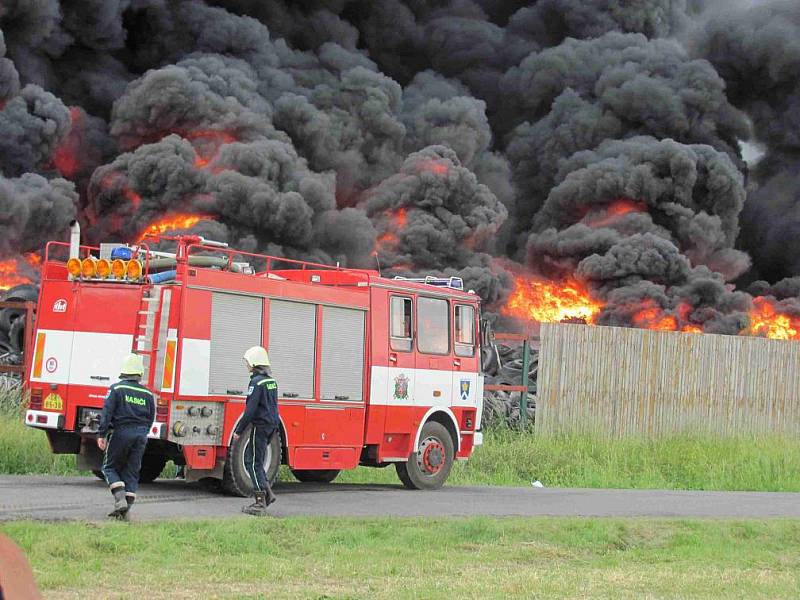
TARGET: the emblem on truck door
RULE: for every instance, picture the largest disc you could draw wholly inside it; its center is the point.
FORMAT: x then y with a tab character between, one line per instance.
465	389
60	306
401	387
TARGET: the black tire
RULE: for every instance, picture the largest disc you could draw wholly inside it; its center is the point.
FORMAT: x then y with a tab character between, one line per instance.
315	475
490	362
9	316
429	465
99	474
235	479
152	465
16	335
27	292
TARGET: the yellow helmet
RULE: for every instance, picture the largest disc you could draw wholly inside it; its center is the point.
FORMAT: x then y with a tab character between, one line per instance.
257	357
132	365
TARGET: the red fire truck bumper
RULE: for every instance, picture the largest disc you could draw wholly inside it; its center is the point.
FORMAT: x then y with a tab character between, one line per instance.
44	420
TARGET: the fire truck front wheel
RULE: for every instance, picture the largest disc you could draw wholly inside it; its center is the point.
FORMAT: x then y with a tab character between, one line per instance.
429	466
235	480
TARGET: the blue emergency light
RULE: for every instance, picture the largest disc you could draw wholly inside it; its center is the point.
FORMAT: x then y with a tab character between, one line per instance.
121	253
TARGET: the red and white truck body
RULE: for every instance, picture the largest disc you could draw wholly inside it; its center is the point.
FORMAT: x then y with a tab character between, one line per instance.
370	370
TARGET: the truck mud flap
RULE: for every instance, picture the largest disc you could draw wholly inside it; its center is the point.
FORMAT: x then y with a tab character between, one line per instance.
64	442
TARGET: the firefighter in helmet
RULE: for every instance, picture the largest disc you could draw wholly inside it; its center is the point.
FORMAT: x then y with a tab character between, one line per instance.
261	411
128	413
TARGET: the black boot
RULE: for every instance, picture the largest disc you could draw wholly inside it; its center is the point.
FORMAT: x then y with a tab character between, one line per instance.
120	504
259	507
130	499
270	497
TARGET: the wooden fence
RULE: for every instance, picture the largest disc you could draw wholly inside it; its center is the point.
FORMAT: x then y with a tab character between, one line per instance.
619	382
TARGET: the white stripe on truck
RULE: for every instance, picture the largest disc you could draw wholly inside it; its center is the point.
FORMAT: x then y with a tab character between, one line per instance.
82	357
195	367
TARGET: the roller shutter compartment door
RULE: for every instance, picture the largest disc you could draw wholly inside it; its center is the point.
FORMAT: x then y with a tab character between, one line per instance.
292	341
342	354
236	323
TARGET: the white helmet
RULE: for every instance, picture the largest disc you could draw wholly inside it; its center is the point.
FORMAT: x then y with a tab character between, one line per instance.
257	357
132	365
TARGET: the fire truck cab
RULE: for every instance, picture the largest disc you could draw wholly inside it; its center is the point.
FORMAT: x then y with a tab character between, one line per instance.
370	370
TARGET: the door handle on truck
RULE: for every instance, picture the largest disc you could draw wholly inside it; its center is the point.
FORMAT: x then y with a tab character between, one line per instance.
456	363
393	358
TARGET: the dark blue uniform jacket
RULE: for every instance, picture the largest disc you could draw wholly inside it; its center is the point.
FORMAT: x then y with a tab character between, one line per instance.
262	404
128	404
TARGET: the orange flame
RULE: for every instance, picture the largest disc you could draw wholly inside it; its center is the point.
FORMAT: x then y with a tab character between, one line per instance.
207	144
432	166
396	222
9	271
33	259
117	180
9	276
651	316
549	302
535	299
612	212
766	320
172	223
66	155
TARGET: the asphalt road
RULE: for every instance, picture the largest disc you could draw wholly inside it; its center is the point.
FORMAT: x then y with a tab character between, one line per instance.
81	498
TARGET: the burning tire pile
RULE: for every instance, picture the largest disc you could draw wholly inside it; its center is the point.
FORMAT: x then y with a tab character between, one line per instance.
12	329
503	366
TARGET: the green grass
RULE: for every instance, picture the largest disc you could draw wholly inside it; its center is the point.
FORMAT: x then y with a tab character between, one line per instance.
415	558
685	462
509	458
24	450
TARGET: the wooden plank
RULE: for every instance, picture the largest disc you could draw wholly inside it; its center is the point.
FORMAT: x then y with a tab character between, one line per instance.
622	382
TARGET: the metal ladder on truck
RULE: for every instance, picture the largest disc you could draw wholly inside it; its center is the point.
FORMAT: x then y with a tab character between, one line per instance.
151	329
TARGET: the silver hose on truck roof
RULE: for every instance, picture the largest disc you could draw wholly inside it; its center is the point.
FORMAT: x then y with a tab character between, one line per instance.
196	261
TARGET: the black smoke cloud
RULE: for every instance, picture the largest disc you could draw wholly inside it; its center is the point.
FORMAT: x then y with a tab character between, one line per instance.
32	207
588	139
755	51
32	124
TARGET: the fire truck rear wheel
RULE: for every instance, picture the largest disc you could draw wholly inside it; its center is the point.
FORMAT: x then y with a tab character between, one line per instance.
429	466
235	479
315	475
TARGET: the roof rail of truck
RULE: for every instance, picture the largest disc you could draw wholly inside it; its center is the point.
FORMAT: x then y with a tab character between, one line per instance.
272	267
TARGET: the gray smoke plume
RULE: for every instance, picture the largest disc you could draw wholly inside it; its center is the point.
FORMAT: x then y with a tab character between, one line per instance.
207	92
33	209
690	195
756	52
9	78
446	212
550	22
580	139
32	124
581	93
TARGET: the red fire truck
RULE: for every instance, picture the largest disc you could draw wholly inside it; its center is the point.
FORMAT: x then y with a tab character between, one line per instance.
371	371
